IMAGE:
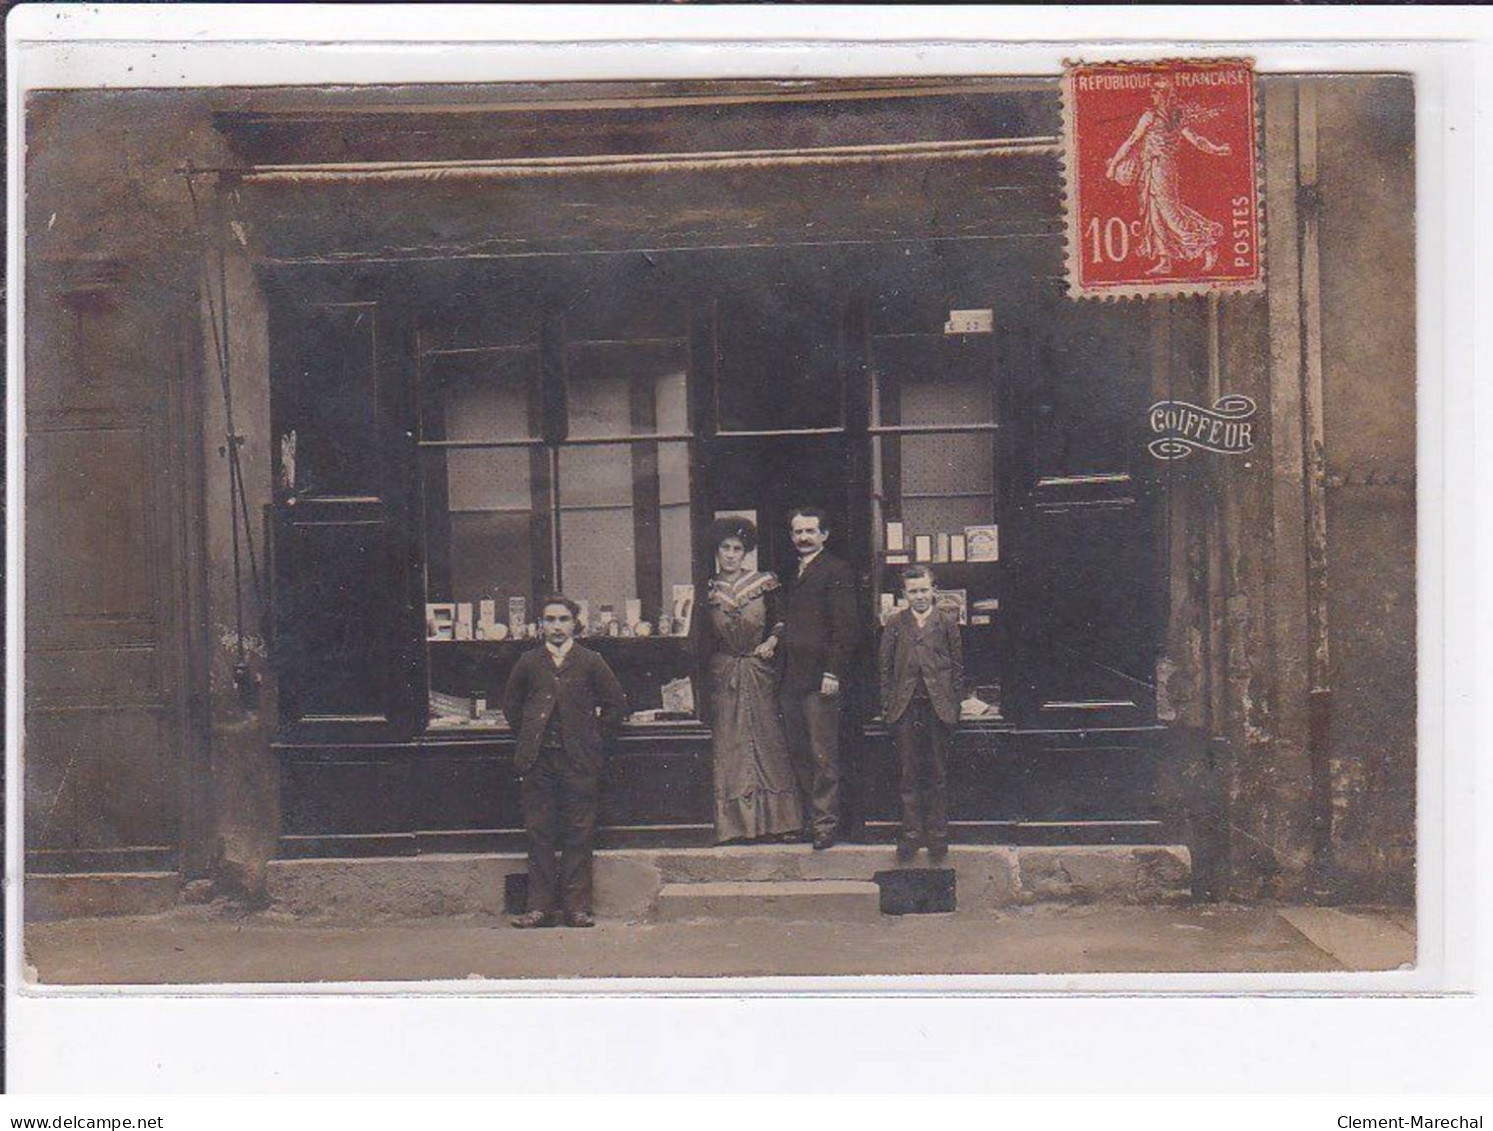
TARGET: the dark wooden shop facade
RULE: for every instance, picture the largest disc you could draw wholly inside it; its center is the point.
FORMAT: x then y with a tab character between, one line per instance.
502	380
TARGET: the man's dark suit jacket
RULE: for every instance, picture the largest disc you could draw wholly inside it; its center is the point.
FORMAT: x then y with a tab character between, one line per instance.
577	688
899	668
818	624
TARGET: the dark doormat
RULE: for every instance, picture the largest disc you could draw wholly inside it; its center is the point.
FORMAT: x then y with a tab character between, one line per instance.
916	891
515	893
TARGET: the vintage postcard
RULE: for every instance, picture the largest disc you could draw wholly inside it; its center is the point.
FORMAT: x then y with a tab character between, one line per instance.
708	528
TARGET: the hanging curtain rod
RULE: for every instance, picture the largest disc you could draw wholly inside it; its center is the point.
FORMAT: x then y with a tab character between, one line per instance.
518	167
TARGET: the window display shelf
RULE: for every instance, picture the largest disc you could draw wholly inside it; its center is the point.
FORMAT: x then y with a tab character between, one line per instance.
441	729
599	643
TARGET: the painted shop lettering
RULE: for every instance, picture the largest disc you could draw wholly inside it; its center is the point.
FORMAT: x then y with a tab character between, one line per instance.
1231	434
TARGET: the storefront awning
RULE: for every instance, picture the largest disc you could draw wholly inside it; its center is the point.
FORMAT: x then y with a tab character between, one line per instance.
346	172
619	175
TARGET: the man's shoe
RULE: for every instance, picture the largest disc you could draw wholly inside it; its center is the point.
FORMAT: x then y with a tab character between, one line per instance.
531	919
823	841
579	919
907	851
938	852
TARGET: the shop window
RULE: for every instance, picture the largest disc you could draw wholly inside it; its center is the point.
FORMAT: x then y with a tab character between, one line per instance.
487	493
624	525
947	481
935	483
558	466
491	502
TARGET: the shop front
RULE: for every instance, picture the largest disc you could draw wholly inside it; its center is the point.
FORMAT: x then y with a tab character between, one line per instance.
563	390
303	445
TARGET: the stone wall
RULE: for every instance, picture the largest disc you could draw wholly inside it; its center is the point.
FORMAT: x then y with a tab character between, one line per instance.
103	185
1365	141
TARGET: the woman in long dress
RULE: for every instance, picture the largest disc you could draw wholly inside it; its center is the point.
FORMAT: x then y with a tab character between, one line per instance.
1149	159
756	794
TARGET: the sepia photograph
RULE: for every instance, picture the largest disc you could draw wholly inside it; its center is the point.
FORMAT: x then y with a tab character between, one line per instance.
720	528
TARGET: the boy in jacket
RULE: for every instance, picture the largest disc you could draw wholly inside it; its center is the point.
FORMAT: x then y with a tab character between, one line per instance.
922	672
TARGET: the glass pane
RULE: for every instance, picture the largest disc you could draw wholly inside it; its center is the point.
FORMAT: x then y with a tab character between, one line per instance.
945	516
596	476
678	563
598	557
947	463
492	556
626	388
673	474
924	379
486	479
780	362
625	525
331	403
482	394
486	511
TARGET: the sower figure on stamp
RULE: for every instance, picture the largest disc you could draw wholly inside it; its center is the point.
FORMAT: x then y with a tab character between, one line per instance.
1150	159
922	673
564	700
817	646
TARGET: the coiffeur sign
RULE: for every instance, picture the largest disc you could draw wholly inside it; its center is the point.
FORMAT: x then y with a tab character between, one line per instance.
1182	428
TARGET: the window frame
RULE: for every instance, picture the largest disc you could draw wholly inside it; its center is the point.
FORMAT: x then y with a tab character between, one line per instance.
883	572
552	388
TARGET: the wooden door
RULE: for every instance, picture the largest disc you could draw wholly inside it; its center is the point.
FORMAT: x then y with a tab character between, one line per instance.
108	468
1083	618
342	558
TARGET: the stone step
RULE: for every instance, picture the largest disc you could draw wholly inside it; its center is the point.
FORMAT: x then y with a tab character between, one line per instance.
816	900
90	895
629	880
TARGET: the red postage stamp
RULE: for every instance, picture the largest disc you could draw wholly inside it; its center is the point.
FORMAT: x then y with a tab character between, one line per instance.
1163	191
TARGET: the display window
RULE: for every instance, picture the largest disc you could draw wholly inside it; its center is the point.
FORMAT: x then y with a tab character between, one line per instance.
561	463
580	436
934	398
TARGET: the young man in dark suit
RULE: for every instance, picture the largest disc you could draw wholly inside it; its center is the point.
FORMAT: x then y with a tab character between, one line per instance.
817	644
562	699
922	672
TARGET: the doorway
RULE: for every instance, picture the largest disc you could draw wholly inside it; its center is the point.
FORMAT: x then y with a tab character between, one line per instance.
771	476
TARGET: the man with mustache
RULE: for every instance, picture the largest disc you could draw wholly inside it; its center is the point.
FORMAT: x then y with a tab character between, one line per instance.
817	643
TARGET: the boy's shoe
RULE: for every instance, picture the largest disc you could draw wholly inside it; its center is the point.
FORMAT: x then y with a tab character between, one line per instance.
938	851
907	851
531	919
579	919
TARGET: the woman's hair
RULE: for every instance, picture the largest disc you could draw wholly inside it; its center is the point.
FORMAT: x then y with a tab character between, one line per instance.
734	526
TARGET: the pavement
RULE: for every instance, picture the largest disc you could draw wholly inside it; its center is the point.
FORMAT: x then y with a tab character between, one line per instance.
221	944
